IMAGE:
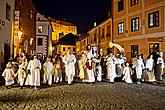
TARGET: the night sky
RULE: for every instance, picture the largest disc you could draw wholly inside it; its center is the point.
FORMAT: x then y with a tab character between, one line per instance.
80	12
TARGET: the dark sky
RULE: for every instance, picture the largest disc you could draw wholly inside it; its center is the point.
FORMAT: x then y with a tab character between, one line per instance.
80	12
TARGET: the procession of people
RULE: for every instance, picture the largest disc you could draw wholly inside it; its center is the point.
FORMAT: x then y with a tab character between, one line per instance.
91	68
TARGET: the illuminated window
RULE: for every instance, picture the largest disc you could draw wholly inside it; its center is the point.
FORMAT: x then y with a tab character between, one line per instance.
135	24
39	29
8	12
121	28
153	19
134	2
39	42
120	5
153	47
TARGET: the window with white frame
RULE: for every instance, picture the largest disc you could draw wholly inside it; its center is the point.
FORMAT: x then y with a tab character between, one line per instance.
135	24
39	29
121	28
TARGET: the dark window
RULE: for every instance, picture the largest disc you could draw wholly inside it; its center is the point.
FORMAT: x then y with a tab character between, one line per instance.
120	5
108	31
74	49
63	48
153	19
121	28
134	50
134	2
103	32
135	24
8	12
39	42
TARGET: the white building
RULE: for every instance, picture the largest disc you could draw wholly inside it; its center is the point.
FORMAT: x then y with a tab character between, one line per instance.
43	36
6	30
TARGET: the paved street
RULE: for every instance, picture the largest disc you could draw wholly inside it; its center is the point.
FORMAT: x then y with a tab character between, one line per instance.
100	96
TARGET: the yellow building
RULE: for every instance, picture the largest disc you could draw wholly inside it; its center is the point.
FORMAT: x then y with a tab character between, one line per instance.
139	26
61	28
99	36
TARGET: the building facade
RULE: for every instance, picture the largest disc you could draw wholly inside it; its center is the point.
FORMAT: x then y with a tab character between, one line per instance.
98	37
25	27
6	30
61	28
139	26
43	36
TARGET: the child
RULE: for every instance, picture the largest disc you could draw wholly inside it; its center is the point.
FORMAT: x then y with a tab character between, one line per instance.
21	75
127	72
8	74
48	66
57	70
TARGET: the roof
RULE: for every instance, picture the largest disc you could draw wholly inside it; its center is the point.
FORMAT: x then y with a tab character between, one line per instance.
61	22
69	39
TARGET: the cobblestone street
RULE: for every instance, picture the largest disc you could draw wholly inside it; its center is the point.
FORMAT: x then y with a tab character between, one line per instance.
100	96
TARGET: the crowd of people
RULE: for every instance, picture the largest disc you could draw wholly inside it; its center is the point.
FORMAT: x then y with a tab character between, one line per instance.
88	68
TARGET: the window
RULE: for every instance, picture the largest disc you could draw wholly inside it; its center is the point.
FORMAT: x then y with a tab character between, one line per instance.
134	50
103	32
134	2
153	47
108	31
121	28
8	12
39	42
39	29
153	19
135	24
63	48
120	5
74	50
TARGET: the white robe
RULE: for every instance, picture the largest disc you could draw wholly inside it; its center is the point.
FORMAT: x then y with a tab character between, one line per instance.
139	67
21	74
34	78
111	69
99	73
69	61
90	72
149	75
127	75
8	74
48	77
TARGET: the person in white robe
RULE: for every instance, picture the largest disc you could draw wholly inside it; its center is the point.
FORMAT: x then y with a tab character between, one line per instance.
57	70
34	66
119	65
82	63
89	65
8	74
149	75
127	72
30	74
48	67
139	66
21	73
111	68
160	66
69	60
